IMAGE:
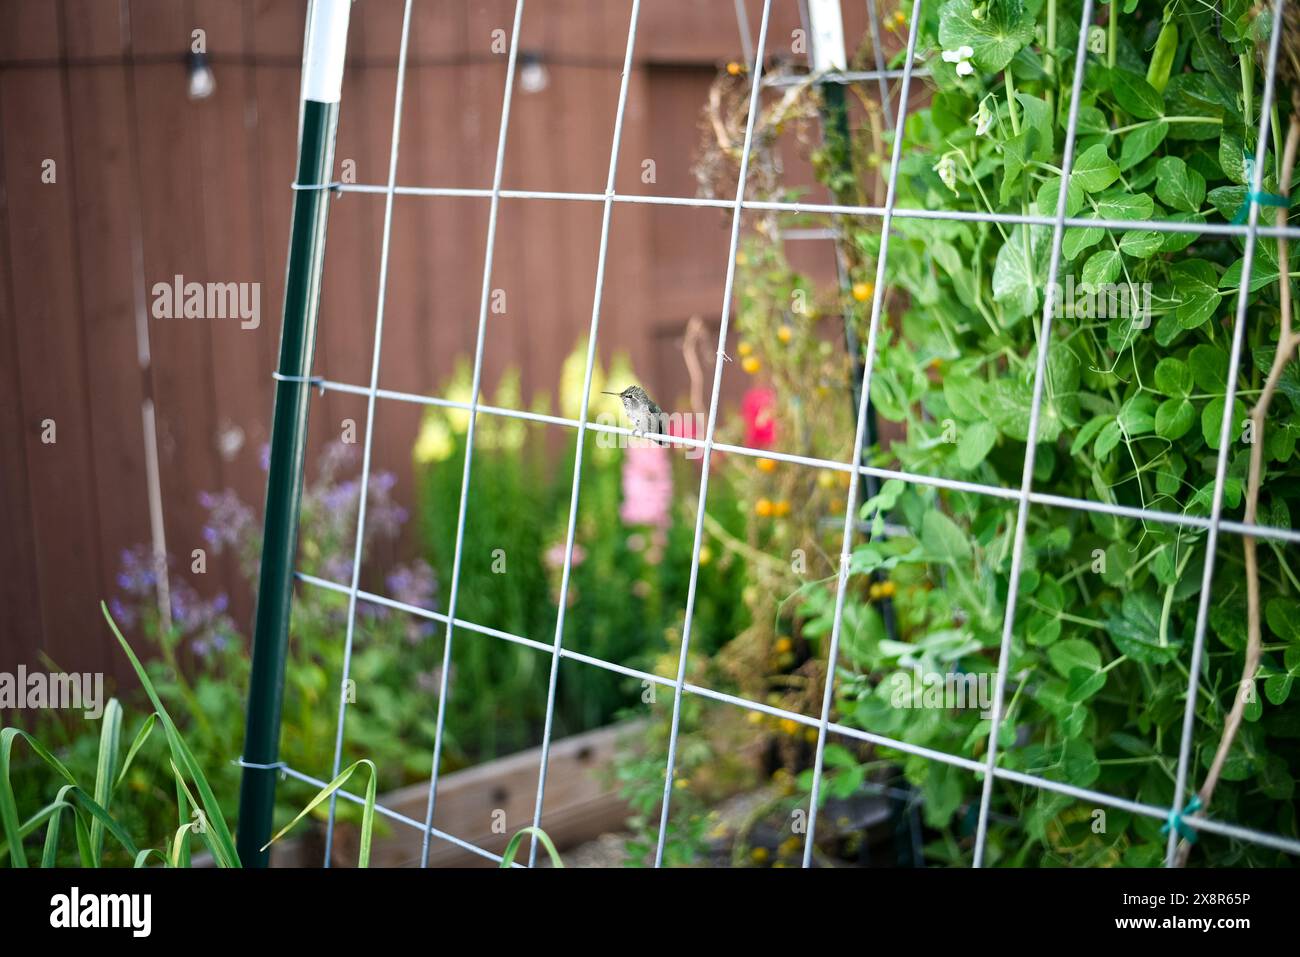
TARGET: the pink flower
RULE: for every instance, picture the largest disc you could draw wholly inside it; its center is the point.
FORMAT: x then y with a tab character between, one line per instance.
554	556
759	409
647	486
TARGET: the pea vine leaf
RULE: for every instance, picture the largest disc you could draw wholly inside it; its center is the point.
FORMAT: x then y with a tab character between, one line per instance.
1135	629
1140	243
1197	286
1178	185
1117	204
1141	143
996	35
1015	276
1094	170
1136	95
1102	267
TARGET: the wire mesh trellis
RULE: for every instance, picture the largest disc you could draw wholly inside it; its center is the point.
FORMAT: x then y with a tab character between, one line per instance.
1025	496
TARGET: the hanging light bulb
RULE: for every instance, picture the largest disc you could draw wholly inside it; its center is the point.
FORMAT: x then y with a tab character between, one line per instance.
202	83
533	75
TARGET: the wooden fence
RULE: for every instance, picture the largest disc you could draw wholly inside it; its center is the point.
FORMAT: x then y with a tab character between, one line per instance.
148	184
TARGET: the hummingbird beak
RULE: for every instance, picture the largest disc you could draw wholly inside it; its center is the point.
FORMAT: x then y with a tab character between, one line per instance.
603	392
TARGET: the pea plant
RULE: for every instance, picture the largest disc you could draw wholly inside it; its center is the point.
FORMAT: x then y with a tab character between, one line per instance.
1133	404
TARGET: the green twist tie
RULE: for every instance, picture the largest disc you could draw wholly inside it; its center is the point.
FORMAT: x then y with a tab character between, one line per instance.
1175	820
1261	197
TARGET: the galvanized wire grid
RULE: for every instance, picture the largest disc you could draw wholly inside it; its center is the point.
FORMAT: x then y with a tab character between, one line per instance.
1025	496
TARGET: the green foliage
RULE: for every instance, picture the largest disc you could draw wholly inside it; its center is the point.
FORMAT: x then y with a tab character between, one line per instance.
1133	404
629	581
628	590
92	817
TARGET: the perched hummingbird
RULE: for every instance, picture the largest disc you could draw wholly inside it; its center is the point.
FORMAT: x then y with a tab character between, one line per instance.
647	418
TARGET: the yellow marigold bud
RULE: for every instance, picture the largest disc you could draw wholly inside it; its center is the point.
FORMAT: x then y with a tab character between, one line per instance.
706	555
887	589
784	334
862	291
758	854
734	69
789	725
766	465
783	645
763	508
754	717
751	364
744	349
781	509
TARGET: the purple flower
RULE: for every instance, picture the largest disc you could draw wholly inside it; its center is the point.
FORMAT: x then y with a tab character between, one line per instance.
122	614
337	568
230	521
138	575
414	585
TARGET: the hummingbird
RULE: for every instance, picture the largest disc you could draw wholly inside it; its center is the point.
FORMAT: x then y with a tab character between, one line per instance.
646	416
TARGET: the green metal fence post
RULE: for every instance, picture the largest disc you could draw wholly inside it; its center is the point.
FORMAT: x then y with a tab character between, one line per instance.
322	82
842	179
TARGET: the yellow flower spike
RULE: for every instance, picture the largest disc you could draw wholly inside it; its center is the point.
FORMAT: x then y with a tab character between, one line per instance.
781	509
763	508
735	69
766	465
784	334
810	735
862	291
789	725
459	390
434	443
744	349
783	645
887	589
751	364
758	855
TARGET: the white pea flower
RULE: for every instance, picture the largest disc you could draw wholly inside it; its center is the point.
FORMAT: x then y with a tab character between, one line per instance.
947	170
983	118
1097	40
961	57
